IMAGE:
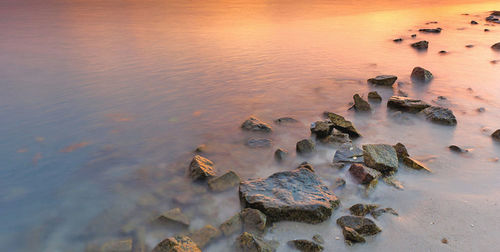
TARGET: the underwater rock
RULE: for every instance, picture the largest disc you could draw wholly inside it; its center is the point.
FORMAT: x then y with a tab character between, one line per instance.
420	74
406	104
255	124
383	80
440	115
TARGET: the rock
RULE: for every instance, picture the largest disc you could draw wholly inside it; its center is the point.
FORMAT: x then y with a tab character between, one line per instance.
362	174
407	104
444	241
259	143
414	35
390	180
201	168
374	96
284	120
401	151
336	138
457	149
383	80
480	110
398	40
254	221
443	52
305	146
360	104
486	30
174	215
362	225
421	45
426	30
348	153
280	155
321	129
201	148
381	157
377	213
421	75
306	165
474	22
318	238
495	13
362	209
496	46
414	164
469	46
402	93
232	225
343	125
247	242
305	246
203	236
496	135
229	180
339	182
254	124
440	115
177	244
297	195
351	236
117	246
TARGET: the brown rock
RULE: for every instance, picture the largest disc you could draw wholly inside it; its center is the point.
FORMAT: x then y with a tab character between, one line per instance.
254	221
202	237
229	180
201	168
360	104
362	174
232	225
177	244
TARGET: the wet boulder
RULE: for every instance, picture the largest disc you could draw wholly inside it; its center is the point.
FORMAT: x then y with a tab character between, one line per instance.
496	46
229	180
496	135
383	80
362	225
280	155
232	225
297	195
174	215
177	244
440	115
374	97
305	146
254	221
407	104
421	45
421	74
255	124
363	174
259	143
305	245
381	157
203	236
248	242
348	153
201	168
343	125
360	104
321	129
362	209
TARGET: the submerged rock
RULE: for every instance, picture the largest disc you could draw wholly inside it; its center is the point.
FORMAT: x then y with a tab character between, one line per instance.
174	215
117	246
232	225
336	138
280	155
383	80
398	40
362	209
348	153
201	168
201	148
254	221
496	46
421	74
362	225
427	30
381	157
255	124
496	135
247	242
414	164
229	180
351	236
401	151
318	238
321	129
305	146
377	213
177	244
374	96
306	246
457	149
407	104
474	22
297	195
421	45
440	115
259	143
360	104
203	236
343	125
362	174
283	120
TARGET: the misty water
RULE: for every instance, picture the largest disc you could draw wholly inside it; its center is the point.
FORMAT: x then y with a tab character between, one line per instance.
103	102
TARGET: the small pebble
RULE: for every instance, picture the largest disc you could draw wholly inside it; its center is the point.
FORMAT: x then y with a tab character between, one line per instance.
444	240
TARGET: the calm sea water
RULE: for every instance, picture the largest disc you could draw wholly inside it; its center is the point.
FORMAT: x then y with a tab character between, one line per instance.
103	102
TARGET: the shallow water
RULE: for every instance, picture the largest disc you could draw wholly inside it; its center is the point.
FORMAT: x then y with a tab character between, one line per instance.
102	105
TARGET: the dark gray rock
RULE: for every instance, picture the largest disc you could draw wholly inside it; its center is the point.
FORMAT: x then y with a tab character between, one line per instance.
336	138
383	80
248	242
381	157
407	104
297	195
362	174
229	180
496	46
421	45
177	244
440	115
259	143
469	46
362	225
174	215
280	155
351	236
306	165
348	153
318	238
360	104
255	124
377	213
374	96
321	128
401	151
305	146
254	221
496	135
305	245
343	125
457	149
284	120
362	209
421	74
474	22
427	30
201	168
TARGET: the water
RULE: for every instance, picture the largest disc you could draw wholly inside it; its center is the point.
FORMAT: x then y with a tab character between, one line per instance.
102	104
